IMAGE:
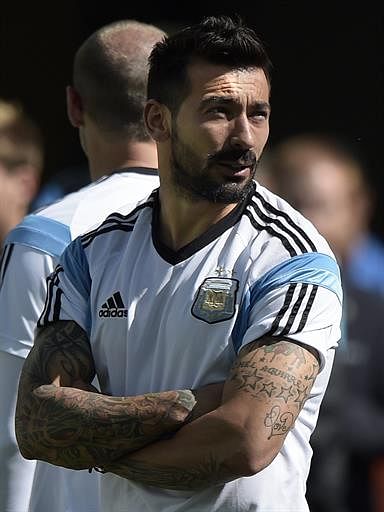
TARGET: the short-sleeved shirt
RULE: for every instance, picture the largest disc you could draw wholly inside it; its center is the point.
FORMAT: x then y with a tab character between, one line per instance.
159	319
31	252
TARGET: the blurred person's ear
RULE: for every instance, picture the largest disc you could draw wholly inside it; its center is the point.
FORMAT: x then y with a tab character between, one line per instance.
75	109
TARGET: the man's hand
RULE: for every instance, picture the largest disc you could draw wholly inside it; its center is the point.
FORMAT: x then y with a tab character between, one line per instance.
208	398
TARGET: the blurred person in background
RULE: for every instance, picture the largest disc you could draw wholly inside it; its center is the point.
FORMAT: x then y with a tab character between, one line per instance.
21	163
324	180
105	104
337	190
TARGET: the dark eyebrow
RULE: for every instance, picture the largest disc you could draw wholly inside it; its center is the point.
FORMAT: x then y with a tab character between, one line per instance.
222	100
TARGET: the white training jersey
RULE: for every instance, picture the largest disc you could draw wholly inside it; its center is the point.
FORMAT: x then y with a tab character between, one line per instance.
159	319
31	252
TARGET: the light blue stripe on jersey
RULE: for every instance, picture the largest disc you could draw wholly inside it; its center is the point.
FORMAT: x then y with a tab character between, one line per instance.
309	268
76	268
42	233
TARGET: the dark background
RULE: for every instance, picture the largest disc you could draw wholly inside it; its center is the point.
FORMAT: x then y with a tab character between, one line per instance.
328	62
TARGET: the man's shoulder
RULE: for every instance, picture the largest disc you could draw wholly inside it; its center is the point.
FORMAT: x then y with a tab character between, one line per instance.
122	221
51	228
48	229
283	225
41	233
90	206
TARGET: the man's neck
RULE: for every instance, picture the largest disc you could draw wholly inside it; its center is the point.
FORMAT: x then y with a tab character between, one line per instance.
107	159
183	220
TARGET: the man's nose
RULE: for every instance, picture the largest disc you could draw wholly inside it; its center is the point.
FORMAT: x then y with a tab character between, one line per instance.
242	135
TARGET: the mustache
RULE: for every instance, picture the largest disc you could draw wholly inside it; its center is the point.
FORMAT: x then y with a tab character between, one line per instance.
236	156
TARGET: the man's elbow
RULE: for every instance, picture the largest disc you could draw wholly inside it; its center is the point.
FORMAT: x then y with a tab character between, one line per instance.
248	463
250	458
27	445
259	461
27	453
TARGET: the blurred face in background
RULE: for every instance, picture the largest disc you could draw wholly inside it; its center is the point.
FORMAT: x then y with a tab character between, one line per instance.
18	186
330	193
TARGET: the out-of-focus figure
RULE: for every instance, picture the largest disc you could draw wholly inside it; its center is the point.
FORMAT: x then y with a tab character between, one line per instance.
325	181
21	163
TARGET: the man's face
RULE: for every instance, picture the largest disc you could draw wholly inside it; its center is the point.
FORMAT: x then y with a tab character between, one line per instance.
329	194
219	133
10	188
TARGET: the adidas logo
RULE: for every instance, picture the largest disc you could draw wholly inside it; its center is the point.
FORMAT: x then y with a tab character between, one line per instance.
113	307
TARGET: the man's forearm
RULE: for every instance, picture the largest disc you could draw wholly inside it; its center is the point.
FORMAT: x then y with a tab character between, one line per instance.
261	401
62	419
196	457
79	429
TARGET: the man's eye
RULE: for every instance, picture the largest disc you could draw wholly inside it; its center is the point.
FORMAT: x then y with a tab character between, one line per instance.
260	114
217	110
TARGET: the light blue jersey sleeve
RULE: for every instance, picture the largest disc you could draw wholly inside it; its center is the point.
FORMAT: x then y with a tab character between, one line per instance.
300	299
68	289
31	252
42	233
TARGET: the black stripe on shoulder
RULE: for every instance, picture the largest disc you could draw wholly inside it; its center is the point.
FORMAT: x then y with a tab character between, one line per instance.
300	303
274	211
108	229
283	310
270	230
308	308
295	309
279	225
116	221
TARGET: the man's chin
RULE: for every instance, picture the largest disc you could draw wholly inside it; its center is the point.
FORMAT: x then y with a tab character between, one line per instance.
228	193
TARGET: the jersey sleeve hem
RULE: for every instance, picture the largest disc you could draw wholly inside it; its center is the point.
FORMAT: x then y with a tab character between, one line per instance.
42	233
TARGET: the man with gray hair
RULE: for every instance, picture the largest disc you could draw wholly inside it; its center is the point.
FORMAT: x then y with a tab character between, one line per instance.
106	104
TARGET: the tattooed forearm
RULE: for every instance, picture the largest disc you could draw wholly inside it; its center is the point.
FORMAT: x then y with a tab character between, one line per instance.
60	350
67	425
261	400
208	472
79	429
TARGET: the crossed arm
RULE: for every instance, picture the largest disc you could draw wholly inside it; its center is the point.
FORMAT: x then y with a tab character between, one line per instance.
262	398
62	419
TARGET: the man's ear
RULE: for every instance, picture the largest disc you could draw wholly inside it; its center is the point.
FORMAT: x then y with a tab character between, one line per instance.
157	118
75	109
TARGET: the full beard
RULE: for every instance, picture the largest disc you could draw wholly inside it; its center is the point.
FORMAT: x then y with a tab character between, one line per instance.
194	184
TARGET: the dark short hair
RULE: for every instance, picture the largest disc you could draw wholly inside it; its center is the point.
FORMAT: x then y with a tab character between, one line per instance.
110	74
221	40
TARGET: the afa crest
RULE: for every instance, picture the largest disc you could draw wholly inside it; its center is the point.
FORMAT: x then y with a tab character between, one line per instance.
216	299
